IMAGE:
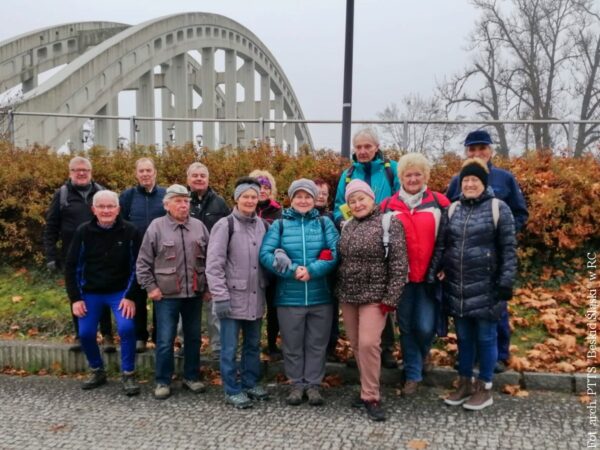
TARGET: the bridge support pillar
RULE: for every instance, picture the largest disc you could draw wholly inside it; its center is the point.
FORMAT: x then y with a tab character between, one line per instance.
106	130
288	134
265	105
279	116
145	108
230	98
248	105
208	108
183	98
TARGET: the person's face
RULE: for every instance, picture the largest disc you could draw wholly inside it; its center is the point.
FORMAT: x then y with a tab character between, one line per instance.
198	180
265	193
364	149
247	202
106	210
360	204
481	151
323	196
412	179
80	174
471	186
178	207
303	202
145	174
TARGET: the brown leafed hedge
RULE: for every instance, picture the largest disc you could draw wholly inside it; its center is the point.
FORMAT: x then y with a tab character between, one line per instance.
563	193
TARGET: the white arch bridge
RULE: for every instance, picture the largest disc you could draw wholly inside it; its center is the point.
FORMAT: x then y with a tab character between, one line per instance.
178	55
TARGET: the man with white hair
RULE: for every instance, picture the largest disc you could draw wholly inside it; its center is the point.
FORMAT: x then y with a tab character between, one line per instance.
171	267
70	207
100	273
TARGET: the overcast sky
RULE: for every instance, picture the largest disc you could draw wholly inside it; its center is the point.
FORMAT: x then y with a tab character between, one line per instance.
400	46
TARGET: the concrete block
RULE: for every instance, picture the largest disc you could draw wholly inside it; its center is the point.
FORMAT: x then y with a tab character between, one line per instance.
509	377
440	377
562	382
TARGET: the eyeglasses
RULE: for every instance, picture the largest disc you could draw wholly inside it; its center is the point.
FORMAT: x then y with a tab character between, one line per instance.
81	170
108	207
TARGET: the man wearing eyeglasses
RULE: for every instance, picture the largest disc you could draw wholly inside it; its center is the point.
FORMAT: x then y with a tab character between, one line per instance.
70	207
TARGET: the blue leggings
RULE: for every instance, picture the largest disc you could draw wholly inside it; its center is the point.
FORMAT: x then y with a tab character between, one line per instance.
89	324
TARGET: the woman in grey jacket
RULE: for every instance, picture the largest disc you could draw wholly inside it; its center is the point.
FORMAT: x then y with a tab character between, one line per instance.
237	284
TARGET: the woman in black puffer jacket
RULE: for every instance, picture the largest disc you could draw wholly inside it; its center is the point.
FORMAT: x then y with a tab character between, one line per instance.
476	253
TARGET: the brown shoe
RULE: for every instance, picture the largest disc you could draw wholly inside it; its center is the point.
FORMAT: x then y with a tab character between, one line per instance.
462	393
481	398
410	388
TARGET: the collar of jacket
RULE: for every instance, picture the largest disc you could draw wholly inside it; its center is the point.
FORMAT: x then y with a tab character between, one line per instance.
142	190
174	224
377	159
196	199
291	214
269	203
485	195
242	218
97	228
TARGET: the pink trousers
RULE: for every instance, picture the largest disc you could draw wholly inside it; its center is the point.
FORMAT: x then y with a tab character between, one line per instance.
363	325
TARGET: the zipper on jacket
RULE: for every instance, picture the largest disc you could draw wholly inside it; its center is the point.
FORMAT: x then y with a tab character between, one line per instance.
185	267
304	262
462	252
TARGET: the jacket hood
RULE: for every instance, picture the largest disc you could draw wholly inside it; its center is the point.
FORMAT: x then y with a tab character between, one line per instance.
485	195
292	214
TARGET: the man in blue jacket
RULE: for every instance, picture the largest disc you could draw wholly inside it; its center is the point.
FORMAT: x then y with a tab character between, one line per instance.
140	205
381	174
478	144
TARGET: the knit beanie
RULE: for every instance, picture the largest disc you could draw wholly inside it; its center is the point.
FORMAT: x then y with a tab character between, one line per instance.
243	184
476	168
303	184
358	186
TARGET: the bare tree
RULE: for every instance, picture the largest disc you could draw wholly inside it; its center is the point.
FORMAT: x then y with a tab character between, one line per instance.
423	138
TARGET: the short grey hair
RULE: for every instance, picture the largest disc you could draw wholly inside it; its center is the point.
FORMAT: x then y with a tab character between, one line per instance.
196	166
145	160
368	133
105	193
80	160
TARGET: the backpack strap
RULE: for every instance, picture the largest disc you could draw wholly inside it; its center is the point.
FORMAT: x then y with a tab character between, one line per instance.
349	174
385	205
387	165
230	226
386	221
452	209
63	197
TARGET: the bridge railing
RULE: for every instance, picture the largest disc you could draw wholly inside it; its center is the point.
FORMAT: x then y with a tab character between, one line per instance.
7	116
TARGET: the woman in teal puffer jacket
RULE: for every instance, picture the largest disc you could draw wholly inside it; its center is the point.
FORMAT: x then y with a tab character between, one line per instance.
301	250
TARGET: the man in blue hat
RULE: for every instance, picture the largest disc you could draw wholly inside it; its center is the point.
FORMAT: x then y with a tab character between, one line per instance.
478	144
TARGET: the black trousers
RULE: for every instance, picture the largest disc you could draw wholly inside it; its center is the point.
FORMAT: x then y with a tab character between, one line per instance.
387	335
272	320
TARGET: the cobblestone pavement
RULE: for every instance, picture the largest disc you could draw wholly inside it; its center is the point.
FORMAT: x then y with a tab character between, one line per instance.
49	412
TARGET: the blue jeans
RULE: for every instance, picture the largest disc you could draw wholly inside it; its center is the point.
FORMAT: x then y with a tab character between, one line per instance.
168	311
249	367
477	337
504	337
416	319
88	324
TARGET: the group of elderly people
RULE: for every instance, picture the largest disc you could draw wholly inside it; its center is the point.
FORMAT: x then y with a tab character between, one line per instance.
390	245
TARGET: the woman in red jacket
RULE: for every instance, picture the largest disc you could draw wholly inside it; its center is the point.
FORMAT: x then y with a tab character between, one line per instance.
420	211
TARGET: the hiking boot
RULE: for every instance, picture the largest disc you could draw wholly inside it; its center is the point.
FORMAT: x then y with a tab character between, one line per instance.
196	387
500	367
481	398
296	396
462	393
388	361
257	393
375	411
357	402
96	378
162	391
409	388
239	401
140	346
76	346
108	344
314	396
130	385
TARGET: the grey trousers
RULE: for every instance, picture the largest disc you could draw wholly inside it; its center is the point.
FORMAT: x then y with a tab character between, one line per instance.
304	335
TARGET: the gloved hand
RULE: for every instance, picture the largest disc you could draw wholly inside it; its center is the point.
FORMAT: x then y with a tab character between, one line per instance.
51	266
504	293
222	308
386	308
282	261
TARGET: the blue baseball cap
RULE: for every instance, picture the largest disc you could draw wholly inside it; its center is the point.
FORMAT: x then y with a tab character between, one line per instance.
478	137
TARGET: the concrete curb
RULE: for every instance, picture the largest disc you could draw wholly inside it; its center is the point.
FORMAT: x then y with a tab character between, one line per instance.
34	356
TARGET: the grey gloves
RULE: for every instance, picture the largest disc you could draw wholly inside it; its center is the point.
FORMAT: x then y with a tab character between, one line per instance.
222	308
282	261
